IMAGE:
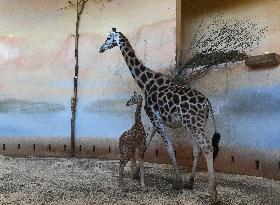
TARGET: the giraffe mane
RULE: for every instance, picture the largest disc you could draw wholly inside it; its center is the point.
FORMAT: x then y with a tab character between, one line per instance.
126	40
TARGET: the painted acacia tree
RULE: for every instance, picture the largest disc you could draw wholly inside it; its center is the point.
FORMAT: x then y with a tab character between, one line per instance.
220	41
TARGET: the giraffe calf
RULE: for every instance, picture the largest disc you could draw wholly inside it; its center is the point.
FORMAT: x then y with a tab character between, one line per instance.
130	141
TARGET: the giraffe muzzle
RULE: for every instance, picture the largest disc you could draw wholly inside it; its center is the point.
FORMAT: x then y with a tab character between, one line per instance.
101	50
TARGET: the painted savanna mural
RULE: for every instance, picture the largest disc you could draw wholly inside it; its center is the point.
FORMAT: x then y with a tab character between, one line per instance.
37	64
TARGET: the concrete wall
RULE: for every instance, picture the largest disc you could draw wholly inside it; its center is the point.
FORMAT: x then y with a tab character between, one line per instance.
245	100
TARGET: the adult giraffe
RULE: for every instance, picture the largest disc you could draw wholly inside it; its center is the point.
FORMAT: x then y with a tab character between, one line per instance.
167	104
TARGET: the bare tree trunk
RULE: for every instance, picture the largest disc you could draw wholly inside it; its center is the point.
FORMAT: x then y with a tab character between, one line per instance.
74	99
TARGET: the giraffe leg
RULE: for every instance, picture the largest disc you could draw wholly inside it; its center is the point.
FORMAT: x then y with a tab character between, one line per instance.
141	162
132	167
158	123
149	139
142	149
207	149
196	153
167	141
132	170
150	136
121	170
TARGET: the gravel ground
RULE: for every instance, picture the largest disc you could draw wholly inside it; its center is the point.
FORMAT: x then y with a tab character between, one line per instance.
36	181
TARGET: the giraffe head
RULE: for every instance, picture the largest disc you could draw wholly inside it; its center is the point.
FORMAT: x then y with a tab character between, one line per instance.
111	41
135	99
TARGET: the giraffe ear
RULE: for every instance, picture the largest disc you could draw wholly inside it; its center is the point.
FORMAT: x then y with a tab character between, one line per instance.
114	29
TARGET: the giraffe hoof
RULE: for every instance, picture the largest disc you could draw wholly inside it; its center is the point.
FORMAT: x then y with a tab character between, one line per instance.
178	186
189	184
218	202
121	193
136	175
144	189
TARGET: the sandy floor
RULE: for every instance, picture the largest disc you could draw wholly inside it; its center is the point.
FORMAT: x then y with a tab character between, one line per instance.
80	181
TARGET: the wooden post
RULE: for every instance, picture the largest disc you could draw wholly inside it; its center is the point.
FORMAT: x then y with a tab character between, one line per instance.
265	60
74	99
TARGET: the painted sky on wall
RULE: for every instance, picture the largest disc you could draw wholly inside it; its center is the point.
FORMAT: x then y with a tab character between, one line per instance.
37	63
37	42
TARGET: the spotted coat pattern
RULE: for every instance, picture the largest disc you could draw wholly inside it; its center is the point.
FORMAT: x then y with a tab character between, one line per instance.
134	138
170	105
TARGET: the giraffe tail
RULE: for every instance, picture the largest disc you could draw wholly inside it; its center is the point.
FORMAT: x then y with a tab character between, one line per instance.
215	144
216	137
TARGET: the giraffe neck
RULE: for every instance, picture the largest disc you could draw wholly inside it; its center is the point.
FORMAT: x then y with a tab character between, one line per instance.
138	113
138	70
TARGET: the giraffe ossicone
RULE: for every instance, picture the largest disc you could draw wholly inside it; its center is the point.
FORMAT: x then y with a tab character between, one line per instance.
171	105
